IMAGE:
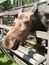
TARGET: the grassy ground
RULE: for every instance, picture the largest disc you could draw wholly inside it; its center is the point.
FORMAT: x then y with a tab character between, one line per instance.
4	60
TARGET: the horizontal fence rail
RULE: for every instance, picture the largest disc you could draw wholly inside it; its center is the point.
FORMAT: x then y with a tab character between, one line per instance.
16	10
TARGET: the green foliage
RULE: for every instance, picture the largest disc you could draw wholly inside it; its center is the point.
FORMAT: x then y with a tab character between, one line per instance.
31	1
27	1
24	2
1	8
15	2
5	5
4	60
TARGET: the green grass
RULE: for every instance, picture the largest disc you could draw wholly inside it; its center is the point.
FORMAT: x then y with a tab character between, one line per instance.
4	60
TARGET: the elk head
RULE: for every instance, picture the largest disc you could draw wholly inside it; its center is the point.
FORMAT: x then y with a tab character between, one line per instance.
20	31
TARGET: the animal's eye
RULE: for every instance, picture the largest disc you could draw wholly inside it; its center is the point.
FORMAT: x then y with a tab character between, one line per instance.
26	23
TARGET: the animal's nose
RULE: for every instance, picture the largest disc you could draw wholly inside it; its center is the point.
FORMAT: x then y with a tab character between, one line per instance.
16	45
26	23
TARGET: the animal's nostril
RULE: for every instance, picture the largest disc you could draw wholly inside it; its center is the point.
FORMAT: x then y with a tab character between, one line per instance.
16	45
26	23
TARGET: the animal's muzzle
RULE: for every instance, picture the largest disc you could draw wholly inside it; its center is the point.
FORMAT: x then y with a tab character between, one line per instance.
16	45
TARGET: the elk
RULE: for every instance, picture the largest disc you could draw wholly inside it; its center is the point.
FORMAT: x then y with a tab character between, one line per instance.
19	32
25	22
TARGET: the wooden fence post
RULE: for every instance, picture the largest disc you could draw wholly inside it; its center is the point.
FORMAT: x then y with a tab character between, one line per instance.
1	21
19	3
47	1
48	47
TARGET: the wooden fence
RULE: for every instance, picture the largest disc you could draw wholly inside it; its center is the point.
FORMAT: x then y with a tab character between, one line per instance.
23	55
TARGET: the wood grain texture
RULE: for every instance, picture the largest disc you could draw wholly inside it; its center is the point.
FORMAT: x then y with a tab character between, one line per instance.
42	34
5	27
25	57
30	56
19	61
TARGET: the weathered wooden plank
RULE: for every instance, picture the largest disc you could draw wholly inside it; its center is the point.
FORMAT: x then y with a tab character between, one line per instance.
8	13
45	63
19	61
44	9
30	42
31	36
48	47
47	1
1	1
39	58
5	27
42	34
1	20
24	56
13	12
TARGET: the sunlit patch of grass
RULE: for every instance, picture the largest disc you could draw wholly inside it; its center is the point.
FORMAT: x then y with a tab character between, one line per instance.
4	60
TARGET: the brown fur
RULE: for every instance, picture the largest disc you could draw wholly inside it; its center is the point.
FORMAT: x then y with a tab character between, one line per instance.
19	31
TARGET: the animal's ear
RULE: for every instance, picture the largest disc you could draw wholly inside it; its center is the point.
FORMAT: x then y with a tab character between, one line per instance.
19	12
33	9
